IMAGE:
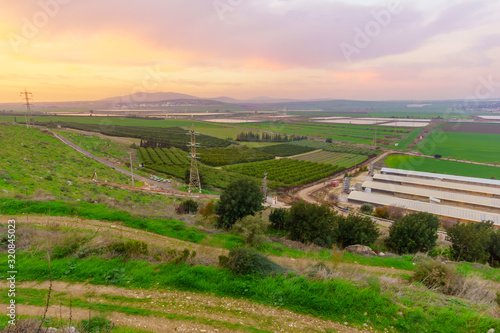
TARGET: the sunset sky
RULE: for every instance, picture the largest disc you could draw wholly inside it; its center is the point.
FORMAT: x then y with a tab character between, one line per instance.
88	49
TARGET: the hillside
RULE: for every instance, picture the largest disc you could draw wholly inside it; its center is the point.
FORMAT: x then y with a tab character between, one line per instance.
132	258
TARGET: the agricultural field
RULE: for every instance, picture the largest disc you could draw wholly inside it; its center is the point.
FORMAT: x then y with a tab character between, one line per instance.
232	155
339	159
464	141
170	136
332	147
285	149
362	134
442	166
174	162
286	172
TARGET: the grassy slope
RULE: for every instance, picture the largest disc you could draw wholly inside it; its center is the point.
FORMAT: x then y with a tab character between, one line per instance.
442	166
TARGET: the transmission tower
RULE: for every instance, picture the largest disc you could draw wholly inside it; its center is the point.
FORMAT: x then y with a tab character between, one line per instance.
375	138
194	175
27	97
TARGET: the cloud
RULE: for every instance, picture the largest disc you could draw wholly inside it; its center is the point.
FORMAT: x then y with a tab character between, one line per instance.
270	34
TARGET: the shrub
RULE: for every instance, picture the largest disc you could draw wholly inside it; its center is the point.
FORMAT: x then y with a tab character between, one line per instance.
413	233
130	248
247	261
381	212
278	218
396	212
438	276
310	223
190	206
356	229
251	229
470	241
208	210
366	208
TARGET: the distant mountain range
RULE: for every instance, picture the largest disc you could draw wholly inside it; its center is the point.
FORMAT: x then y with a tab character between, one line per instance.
179	102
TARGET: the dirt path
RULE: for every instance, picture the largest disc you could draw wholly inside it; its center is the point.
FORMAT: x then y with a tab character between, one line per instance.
177	311
165	187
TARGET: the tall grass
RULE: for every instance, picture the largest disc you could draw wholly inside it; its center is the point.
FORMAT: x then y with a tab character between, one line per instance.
336	300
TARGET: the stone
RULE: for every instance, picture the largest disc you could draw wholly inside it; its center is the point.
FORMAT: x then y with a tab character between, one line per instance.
361	250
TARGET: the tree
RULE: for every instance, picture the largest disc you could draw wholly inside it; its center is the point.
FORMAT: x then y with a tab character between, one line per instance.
356	229
208	210
381	212
470	241
366	208
252	228
416	232
310	223
241	198
278	218
190	206
494	249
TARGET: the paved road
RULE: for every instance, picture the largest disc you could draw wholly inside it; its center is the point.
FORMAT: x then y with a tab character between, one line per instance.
167	187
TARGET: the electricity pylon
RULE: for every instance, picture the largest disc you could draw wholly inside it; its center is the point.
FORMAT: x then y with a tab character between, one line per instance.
264	185
194	175
27	97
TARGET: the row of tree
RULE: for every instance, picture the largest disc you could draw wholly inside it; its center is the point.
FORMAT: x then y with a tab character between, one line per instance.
265	137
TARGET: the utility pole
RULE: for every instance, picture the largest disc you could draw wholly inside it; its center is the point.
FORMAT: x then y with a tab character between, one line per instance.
27	97
375	138
194	175
264	185
132	169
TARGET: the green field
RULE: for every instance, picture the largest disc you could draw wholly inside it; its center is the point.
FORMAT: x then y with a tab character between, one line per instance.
415	163
475	147
217	130
361	134
340	159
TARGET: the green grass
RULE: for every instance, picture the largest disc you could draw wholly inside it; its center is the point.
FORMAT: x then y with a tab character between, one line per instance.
415	163
97	145
463	146
166	227
336	300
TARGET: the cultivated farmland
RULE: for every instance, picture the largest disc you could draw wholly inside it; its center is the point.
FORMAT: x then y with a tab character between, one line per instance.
475	147
287	172
339	159
442	166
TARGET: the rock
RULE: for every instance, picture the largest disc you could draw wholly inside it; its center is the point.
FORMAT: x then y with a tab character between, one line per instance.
361	250
492	330
381	254
70	183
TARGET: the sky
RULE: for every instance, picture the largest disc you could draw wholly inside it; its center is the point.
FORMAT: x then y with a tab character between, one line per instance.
65	50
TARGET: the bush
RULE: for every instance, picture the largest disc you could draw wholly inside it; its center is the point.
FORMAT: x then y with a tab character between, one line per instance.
413	233
278	218
247	261
396	212
438	276
190	206
366	208
310	223
208	210
130	248
470	241
251	229
356	229
381	212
